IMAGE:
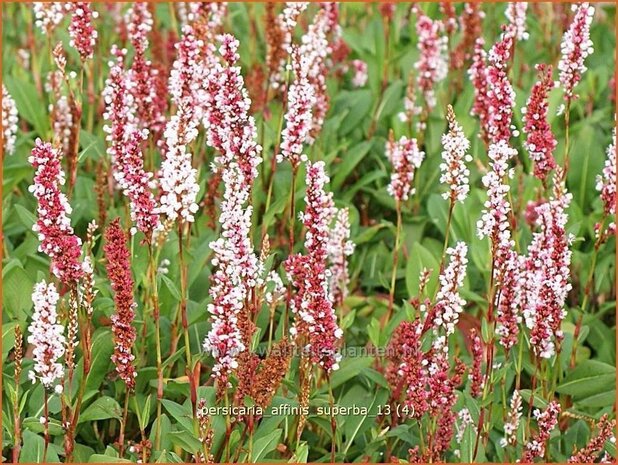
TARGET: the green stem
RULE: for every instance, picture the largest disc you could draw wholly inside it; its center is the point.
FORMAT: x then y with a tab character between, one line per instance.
271	324
16	420
172	12
587	291
447	232
489	357
292	209
46	429
567	120
157	317
333	422
91	104
123	424
273	162
183	305
292	219
520	357
391	296
228	427
250	451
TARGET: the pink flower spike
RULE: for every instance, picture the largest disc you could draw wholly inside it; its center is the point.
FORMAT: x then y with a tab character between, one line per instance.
360	73
454	157
124	146
406	158
118	268
139	24
449	303
285	23
432	65
508	305
188	73
512	424
478	76
447	10
331	13
53	226
606	431
516	14
339	248
476	374
47	336
315	320
546	422
82	32
178	178
9	122
212	13
494	220
229	127
298	117
547	271
136	183
408	369
48	15
606	181
237	273
500	93
315	49
146	80
576	46
540	141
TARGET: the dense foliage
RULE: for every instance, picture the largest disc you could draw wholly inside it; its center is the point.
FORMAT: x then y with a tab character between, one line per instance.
308	232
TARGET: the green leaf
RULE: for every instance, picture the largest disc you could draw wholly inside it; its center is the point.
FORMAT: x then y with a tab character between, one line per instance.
144	416
16	298
586	159
357	104
590	378
102	349
181	413
538	401
14	174
263	446
300	454
391	100
26	217
355	425
171	286
422	259
375	377
100	458
81	453
92	146
368	234
276	208
29	105
168	457
185	440
166	428
600	400
350	159
373	331
35	425
33	448
8	338
467	444
101	409
349	369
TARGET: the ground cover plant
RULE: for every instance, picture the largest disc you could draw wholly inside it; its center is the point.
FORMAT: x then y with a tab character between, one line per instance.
308	232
